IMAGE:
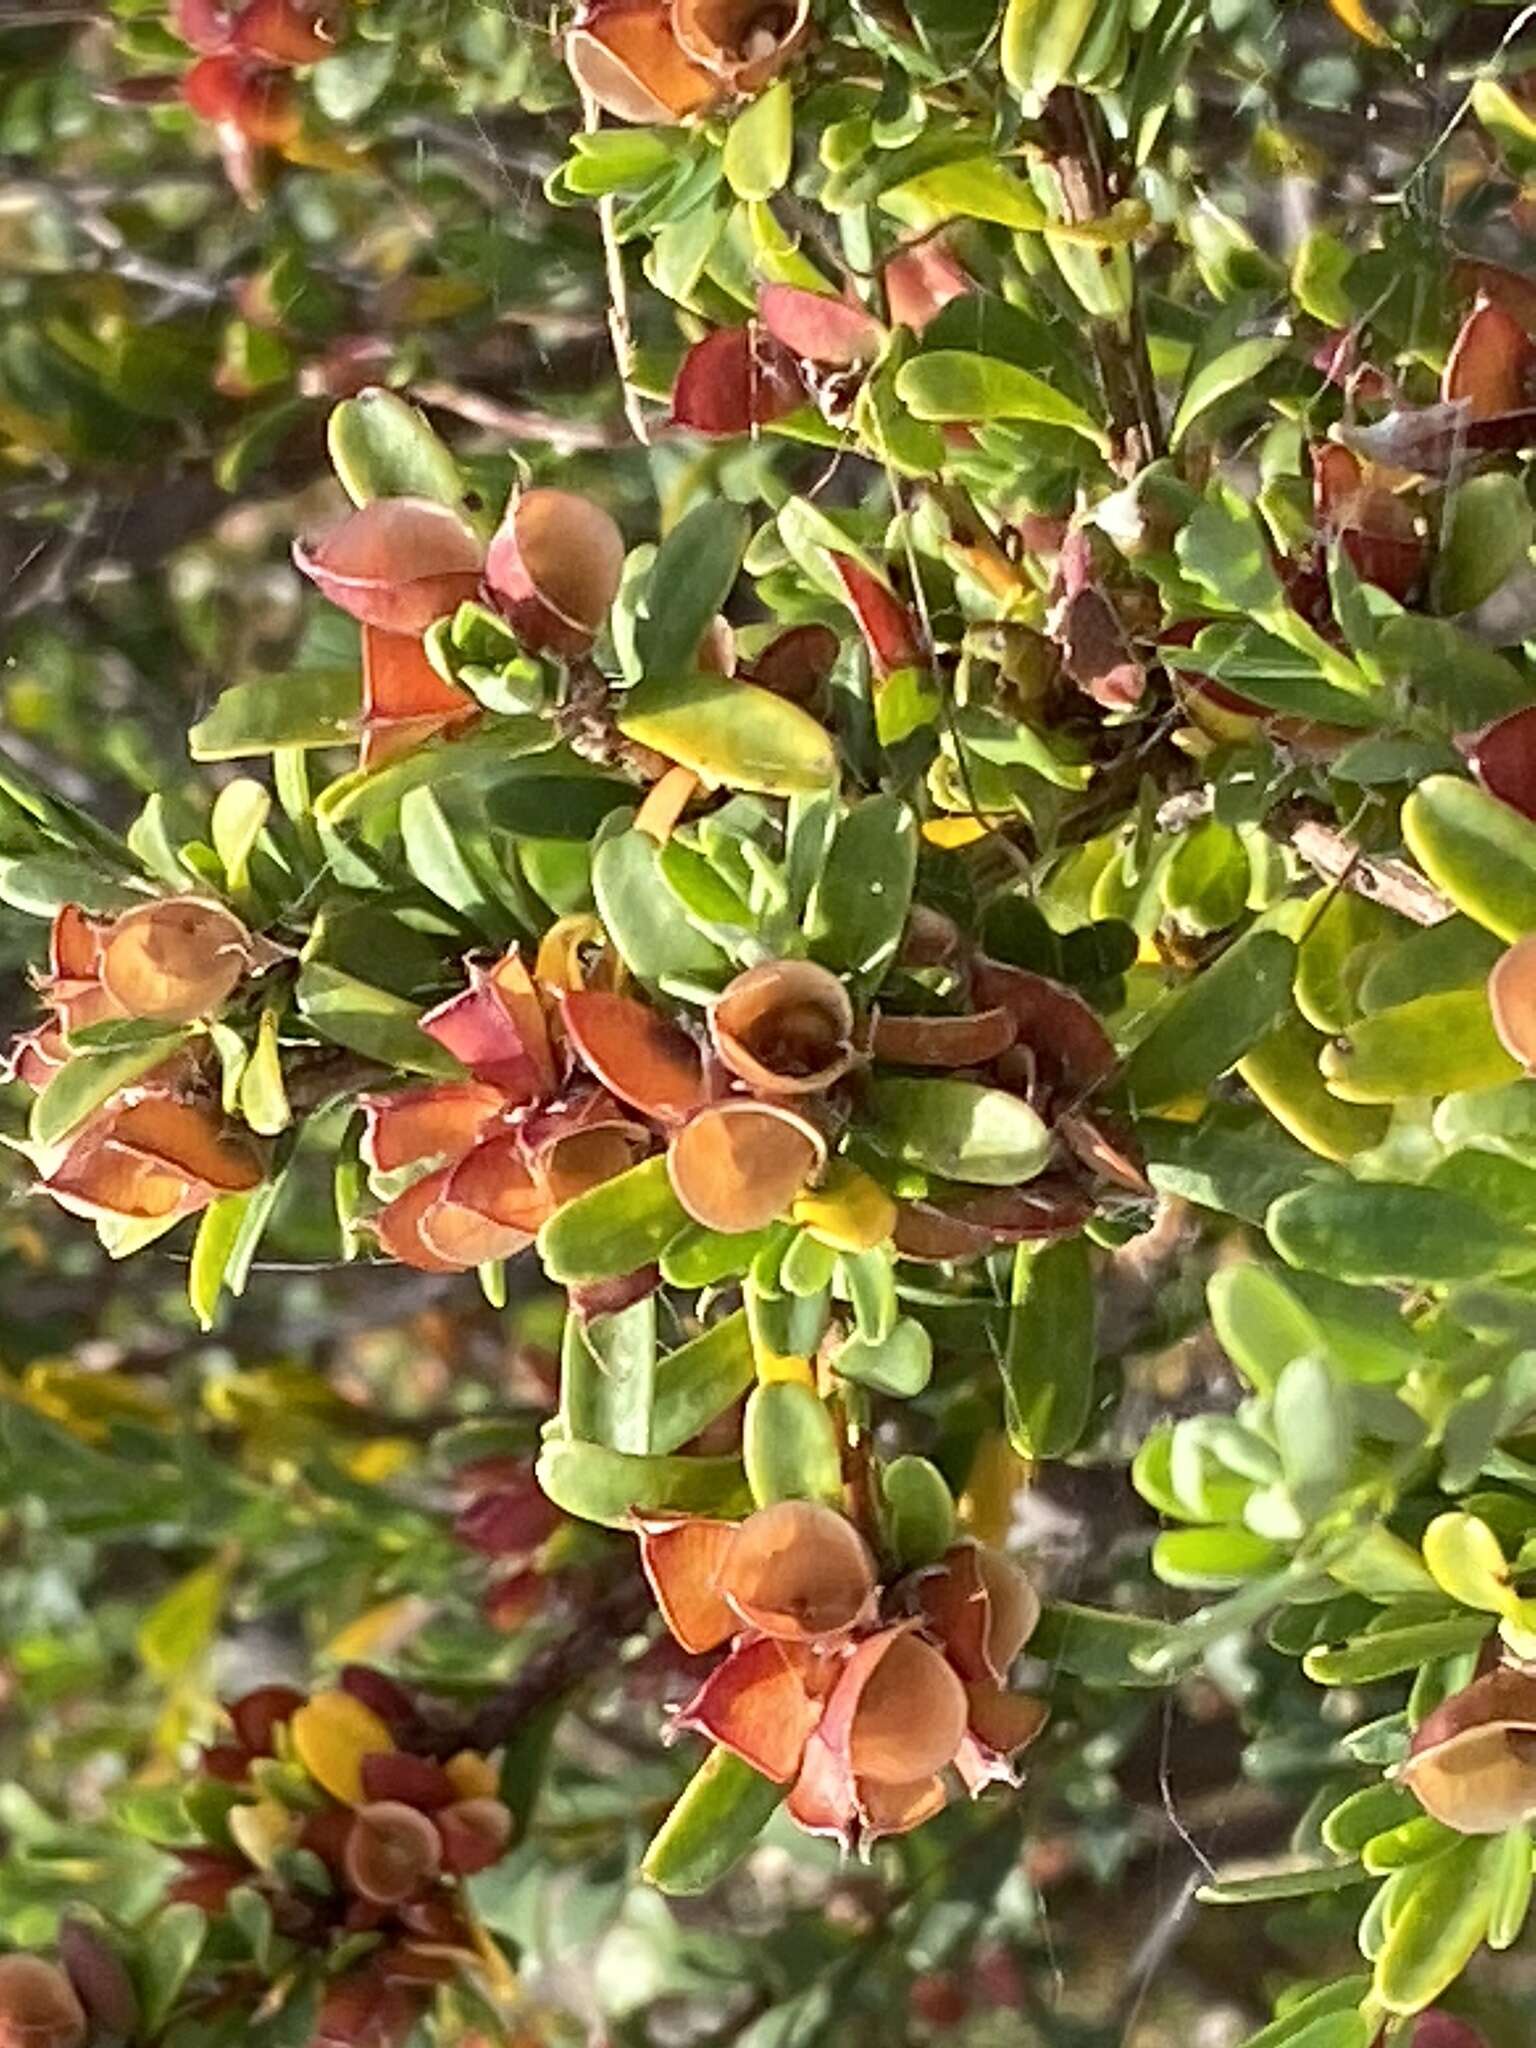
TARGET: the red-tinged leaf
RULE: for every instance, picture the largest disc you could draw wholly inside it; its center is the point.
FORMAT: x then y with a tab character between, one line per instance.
553	569
1096	651
287	31
364	2010
797	664
412	1780
590	1298
819	328
475	1834
681	1560
1504	760
497	1028
405	700
397	563
944	1041
150	1156
737	1166
1491	364
933	1237
921	281
1108	1147
421	1124
74	945
735	381
1510	290
1068	1048
495	1181
646	1059
756	1704
205	25
741	42
889	628
784	1027
398	1226
625	58
507	1521
257	103
256	1716
463	1236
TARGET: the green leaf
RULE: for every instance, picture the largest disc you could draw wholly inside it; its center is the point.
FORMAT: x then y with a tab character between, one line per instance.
1208	1026
314	707
699	1380
1235	1166
759	146
239	816
954	385
1213	1557
41	884
1383	1653
899	1364
1259	1323
1301	1883
1205	880
1435	1045
653	933
919	1511
1098	1646
613	1229
1509	1886
179	1629
724	1809
789	1445
438	860
1436	1926
860	900
1454	954
976	188
217	1229
370	1021
958	1129
383	448
1313	1432
1232	370
166	1952
691	578
1047	1366
1222	546
731	733
1382	1232
1343	934
609	1487
1461	683
1479	851
84	1084
1488	529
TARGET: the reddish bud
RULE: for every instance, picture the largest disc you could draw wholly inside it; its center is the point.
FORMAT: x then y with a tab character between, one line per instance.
405	1780
475	1834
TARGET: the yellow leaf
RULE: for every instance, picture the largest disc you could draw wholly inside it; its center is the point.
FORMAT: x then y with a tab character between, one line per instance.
381	1631
1357	18
331	1734
178	1630
851	1213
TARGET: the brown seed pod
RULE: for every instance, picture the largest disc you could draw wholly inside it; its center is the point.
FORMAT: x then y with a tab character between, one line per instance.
392	1852
982	1608
785	1028
1512	999
174	960
1473	1761
475	1834
798	1570
553	569
743	42
738	1165
38	2006
624	56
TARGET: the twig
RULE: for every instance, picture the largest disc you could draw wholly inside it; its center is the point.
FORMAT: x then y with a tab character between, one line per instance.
518	423
619	324
1120	347
1391	883
587	1648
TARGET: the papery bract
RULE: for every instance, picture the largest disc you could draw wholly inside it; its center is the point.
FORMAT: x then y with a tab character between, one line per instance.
553	569
397	563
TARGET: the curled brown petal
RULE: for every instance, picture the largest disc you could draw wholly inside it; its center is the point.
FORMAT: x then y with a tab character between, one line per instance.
174	960
243	96
398	1226
150	1156
475	1833
785	1028
738	1165
1069	1047
553	569
646	1059
796	664
921	281
682	1560
286	31
625	58
982	1608
971	1041
798	1570
415	1125
999	1725
744	42
1473	1760
1490	364
910	1714
398	563
1512	999
759	1704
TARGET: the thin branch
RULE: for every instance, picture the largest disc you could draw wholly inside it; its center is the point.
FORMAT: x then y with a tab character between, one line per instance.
519	423
620	326
1391	883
